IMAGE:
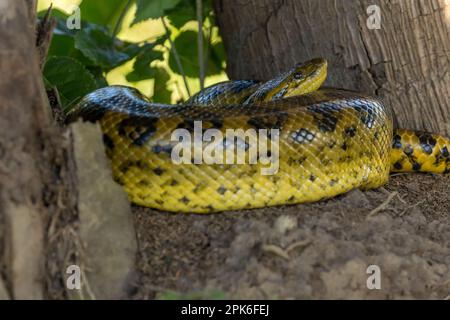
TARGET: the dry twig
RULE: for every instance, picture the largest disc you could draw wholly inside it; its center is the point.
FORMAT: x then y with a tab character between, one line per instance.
383	205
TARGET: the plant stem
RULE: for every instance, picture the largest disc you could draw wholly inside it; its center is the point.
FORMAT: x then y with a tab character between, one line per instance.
176	56
207	49
121	17
201	60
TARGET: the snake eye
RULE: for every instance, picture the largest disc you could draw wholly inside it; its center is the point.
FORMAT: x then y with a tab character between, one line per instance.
297	75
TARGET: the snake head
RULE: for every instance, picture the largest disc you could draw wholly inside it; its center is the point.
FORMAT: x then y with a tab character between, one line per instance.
302	78
306	77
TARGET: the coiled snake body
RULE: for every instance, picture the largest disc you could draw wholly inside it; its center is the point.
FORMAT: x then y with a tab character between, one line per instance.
329	142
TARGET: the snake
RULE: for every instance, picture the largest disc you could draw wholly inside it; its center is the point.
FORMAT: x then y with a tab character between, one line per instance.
319	143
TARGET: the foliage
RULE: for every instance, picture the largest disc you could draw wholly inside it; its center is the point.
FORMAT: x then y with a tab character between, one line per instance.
80	61
70	76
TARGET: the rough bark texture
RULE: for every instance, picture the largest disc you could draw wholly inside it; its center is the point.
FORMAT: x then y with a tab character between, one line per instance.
405	62
46	225
23	119
36	184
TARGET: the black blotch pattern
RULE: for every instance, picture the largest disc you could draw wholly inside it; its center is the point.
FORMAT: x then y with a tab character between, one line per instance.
366	113
216	123
325	116
127	165
158	171
408	150
208	207
398	165
312	178
445	153
185	200
143	137
119	180
333	182
350	131
144	183
186	124
327	124
221	190
109	143
427	142
275	121
144	126
162	149
416	166
442	156
397	142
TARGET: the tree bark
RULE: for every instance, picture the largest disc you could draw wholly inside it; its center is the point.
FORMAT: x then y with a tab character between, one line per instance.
23	118
46	223
405	62
36	185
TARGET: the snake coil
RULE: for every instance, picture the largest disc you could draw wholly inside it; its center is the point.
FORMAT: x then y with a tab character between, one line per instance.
330	141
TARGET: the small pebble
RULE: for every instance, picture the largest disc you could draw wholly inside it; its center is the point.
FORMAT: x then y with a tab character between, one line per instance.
285	223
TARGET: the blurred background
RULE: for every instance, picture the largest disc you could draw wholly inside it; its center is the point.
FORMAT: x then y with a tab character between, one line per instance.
151	45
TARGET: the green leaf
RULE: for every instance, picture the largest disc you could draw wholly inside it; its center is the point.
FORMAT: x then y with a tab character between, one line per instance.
186	11
55	13
62	41
161	93
99	47
72	80
61	23
133	49
105	13
152	9
61	45
99	77
141	68
218	56
186	45
182	13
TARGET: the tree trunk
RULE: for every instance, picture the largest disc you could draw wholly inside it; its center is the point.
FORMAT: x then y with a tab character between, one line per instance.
47	224
405	62
36	185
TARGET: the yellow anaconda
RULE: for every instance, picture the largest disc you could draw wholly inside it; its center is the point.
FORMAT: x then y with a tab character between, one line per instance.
301	79
292	149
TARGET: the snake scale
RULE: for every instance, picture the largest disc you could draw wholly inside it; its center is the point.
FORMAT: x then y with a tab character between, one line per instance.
329	141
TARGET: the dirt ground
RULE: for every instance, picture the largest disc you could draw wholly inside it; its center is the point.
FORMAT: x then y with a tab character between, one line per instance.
319	250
